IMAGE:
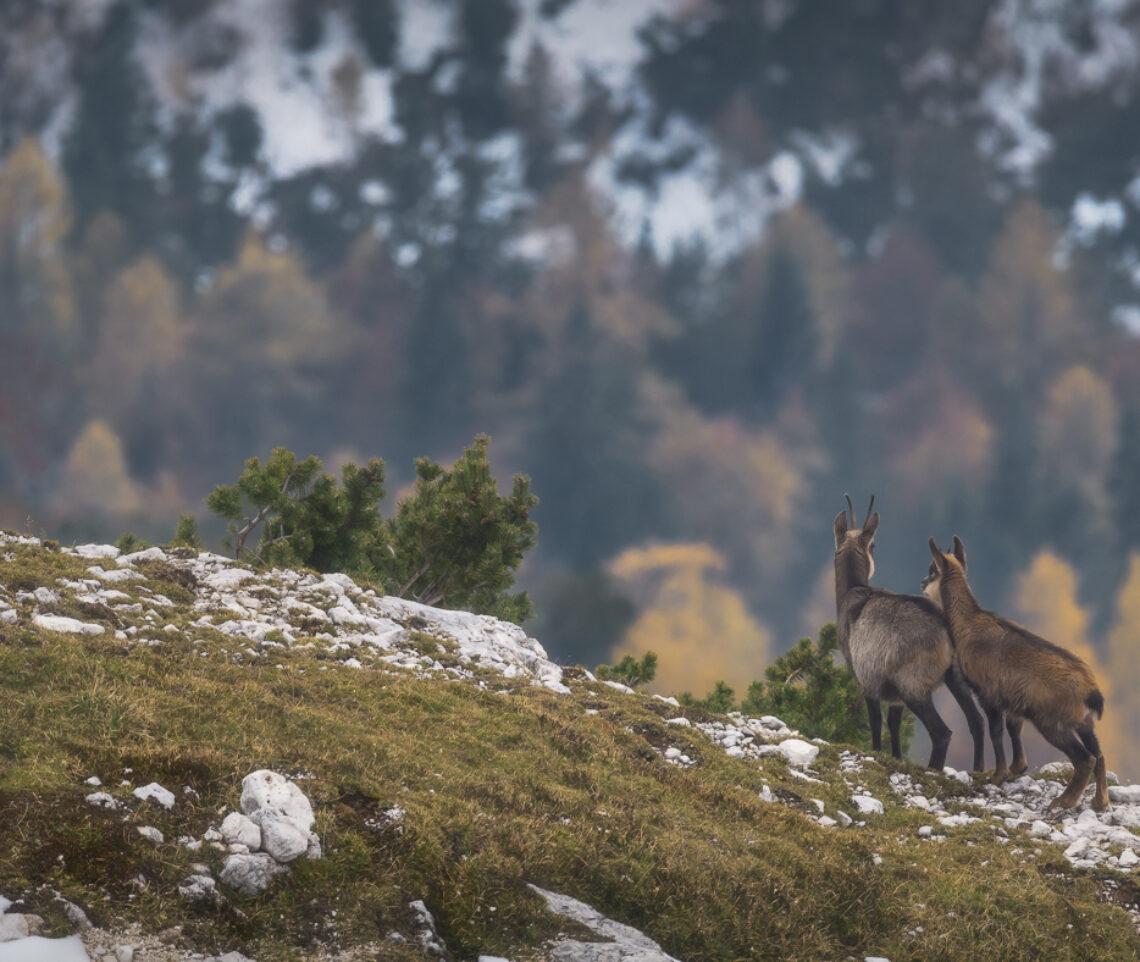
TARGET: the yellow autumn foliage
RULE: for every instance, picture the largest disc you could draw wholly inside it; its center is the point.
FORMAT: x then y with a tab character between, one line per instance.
734	487
701	631
1045	599
1077	429
95	476
35	218
1025	304
141	336
1124	666
952	453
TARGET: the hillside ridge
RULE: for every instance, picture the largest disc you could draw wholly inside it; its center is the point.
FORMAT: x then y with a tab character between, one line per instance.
193	607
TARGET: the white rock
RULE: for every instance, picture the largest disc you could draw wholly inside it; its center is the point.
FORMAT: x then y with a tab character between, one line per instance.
14	927
71	626
681	721
827	821
101	799
955	821
147	554
197	888
155	793
124	953
240	829
151	833
1128	858
1124	794
844	819
45	596
251	874
963	777
798	752
281	837
96	551
926	831
117	575
1078	848
867	805
1040	829
266	791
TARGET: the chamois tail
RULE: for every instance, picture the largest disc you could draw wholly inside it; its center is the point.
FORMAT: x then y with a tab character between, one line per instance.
1095	702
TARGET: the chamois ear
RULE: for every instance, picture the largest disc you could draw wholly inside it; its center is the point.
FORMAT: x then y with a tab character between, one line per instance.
870	527
960	552
840	527
937	552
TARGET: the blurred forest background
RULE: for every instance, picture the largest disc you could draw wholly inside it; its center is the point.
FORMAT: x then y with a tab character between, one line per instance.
697	266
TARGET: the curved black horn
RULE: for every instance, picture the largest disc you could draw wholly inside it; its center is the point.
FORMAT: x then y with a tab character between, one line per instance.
869	507
851	508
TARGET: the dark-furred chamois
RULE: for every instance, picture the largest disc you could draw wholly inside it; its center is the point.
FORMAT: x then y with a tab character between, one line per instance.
897	646
1017	674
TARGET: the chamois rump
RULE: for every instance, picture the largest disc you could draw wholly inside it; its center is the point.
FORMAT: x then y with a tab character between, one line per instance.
897	646
1017	674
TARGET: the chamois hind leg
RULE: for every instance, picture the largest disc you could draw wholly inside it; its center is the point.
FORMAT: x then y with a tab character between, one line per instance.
961	692
1100	797
894	726
875	717
1019	765
997	728
1068	741
926	713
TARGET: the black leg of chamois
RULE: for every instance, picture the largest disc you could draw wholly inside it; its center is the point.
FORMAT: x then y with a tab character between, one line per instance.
1083	764
962	695
997	729
875	717
1089	740
939	731
1019	764
894	726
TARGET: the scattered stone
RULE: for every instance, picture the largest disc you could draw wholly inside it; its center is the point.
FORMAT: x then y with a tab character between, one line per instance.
71	626
1124	794
251	874
17	926
198	888
282	812
241	830
155	793
798	752
867	805
626	944
151	833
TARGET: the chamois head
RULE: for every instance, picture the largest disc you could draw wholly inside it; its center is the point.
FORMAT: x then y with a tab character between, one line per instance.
932	583
857	543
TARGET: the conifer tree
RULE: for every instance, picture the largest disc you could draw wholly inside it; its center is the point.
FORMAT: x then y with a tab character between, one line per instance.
455	542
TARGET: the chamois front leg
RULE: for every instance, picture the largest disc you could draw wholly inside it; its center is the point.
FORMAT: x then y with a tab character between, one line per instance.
961	692
997	729
894	726
875	718
1019	765
938	730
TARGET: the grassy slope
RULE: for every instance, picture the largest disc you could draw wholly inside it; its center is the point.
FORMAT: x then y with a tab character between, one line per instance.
502	785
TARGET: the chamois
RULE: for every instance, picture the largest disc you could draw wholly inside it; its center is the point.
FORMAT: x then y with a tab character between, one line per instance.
1017	674
897	646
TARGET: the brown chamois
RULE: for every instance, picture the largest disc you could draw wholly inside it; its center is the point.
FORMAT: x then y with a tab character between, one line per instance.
1017	674
897	646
